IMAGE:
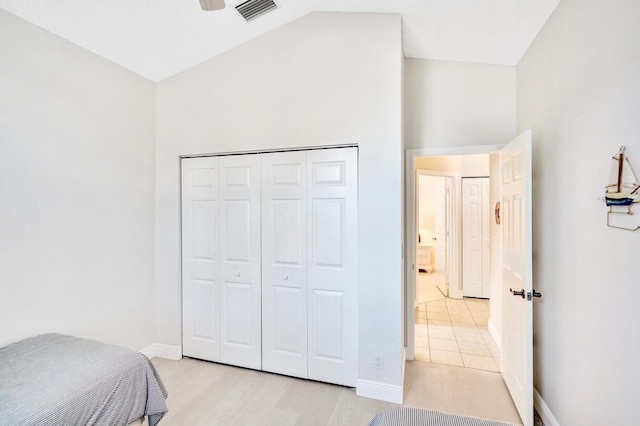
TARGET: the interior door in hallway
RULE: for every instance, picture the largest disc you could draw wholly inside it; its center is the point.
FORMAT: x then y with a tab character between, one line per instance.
517	337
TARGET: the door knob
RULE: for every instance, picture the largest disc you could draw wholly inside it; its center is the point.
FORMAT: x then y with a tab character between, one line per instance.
517	293
237	274
286	277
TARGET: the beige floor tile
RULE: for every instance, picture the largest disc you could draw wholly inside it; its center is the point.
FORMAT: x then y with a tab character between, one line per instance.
444	357
458	310
423	342
462	321
468	336
444	344
422	330
478	307
482	322
460	316
438	308
440	323
440	332
479	362
488	338
472	327
455	326
474	348
422	321
437	315
422	354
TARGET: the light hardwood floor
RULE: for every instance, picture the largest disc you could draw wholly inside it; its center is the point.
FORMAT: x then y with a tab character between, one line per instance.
204	393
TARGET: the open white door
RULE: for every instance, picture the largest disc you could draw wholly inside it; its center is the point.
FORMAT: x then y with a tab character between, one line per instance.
515	212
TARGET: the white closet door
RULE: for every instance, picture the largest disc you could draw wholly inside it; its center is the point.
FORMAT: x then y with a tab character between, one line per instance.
332	258
240	280
200	264
284	263
476	237
486	238
472	237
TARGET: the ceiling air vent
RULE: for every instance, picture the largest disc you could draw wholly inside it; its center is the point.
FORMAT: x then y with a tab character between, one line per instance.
251	9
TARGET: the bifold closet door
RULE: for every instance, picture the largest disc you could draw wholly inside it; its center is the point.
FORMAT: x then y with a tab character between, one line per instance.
332	233
309	265
200	258
221	259
284	263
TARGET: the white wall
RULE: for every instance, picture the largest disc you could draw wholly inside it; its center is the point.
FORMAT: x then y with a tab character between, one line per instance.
458	104
327	78
578	90
76	192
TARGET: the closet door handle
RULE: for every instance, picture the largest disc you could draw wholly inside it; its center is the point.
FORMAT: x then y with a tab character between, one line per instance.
286	277
237	274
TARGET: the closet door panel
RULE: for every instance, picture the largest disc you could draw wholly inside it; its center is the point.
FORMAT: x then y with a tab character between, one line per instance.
200	258
332	257
240	295
284	263
472	237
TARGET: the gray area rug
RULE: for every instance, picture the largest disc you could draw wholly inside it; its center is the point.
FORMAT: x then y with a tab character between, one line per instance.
408	416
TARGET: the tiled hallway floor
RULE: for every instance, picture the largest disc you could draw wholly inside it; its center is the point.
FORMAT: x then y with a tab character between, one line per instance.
454	332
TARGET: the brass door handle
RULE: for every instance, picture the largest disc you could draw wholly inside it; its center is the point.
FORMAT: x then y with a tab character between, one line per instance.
497	213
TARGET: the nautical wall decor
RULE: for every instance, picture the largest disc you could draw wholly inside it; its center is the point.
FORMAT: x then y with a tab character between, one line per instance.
622	193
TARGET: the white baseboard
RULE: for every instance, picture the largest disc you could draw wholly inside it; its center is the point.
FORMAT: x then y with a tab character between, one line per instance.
378	390
163	351
543	410
493	330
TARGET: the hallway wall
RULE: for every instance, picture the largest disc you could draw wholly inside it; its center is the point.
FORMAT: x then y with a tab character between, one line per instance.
578	90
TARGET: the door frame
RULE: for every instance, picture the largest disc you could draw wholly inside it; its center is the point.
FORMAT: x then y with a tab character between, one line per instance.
450	216
411	231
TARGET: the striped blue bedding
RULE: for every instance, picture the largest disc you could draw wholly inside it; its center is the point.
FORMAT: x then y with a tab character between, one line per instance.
53	379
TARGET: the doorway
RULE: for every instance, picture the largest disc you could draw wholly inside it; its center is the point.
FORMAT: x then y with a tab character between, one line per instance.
510	318
461	330
434	221
453	242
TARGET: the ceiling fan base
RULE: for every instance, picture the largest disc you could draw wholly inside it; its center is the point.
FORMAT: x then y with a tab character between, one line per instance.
209	5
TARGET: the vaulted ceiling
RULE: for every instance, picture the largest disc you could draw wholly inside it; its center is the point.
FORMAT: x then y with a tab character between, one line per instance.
159	38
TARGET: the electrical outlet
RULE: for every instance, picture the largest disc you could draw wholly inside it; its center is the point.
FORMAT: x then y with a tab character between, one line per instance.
378	361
